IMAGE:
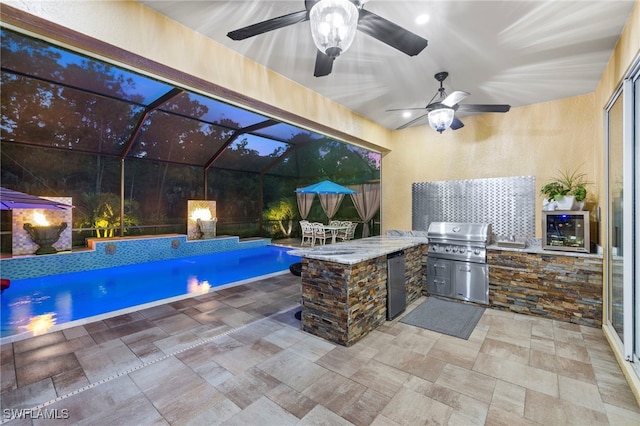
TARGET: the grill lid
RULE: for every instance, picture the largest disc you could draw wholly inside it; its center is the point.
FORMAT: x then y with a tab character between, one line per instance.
463	232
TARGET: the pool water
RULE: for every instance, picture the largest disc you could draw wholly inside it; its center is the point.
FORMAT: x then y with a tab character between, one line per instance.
35	305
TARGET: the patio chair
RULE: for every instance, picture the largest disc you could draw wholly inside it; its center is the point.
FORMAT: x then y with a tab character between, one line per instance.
319	233
350	233
307	232
352	230
343	233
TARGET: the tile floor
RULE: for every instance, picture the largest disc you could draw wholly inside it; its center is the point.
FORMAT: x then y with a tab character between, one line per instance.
237	357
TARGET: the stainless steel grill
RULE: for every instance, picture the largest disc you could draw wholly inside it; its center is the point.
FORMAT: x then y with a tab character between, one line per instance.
456	263
459	241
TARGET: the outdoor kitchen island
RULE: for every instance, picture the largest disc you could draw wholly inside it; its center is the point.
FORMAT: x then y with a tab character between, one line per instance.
344	285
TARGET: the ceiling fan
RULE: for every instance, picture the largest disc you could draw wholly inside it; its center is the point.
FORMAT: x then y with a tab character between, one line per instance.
442	107
334	36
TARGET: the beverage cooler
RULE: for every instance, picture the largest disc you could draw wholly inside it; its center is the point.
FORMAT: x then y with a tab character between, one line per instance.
566	230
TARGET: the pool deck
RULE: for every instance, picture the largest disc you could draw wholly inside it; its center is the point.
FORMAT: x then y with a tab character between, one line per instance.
237	356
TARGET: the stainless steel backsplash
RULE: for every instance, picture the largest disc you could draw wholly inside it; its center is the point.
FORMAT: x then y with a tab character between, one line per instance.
507	203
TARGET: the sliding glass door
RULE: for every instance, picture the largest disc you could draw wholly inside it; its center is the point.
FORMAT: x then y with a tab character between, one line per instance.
615	207
623	205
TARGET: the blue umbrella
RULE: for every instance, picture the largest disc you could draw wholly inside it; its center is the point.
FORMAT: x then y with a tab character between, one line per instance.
325	187
330	194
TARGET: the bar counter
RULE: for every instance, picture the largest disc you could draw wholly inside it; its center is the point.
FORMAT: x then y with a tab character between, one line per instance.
355	251
344	285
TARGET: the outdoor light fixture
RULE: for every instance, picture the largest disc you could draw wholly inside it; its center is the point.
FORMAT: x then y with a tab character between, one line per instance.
333	25
441	118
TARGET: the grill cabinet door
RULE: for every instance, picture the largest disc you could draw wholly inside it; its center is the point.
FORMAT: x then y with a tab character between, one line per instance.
439	277
471	282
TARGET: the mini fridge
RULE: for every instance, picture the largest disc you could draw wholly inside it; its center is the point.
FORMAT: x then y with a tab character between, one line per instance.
396	286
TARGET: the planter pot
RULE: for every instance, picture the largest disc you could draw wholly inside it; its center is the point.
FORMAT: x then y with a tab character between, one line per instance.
549	205
568	202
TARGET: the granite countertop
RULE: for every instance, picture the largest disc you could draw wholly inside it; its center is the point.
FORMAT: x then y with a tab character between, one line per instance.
355	251
534	245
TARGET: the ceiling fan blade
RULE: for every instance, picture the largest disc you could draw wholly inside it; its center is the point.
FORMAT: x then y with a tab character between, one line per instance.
454	98
415	120
456	124
390	33
484	108
324	64
404	109
269	25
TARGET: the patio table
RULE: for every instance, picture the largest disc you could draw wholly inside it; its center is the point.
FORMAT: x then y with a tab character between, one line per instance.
334	230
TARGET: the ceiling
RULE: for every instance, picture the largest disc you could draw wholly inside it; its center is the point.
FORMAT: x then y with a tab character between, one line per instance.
506	52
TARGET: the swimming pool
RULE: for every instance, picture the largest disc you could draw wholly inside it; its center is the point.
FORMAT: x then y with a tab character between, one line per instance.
35	305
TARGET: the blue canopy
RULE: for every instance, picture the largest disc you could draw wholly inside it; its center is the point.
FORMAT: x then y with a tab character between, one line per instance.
330	194
325	187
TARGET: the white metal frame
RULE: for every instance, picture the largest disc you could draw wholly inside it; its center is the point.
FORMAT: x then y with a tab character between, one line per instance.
634	145
627	218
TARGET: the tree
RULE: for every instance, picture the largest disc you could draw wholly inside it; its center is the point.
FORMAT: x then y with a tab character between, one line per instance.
280	213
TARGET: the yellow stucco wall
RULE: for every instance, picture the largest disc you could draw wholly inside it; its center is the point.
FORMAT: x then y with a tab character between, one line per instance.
537	140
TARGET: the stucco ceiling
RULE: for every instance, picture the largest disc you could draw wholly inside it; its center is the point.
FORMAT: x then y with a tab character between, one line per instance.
507	52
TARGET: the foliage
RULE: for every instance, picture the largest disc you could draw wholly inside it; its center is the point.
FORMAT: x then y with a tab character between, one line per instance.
554	191
282	213
104	213
566	183
580	192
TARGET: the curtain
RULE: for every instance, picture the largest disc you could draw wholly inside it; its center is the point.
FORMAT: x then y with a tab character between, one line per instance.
304	203
367	203
330	203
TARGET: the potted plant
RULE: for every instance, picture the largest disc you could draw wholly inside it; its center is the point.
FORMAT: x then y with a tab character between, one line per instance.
566	192
580	192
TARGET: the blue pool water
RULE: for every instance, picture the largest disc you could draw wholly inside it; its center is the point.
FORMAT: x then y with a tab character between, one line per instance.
32	305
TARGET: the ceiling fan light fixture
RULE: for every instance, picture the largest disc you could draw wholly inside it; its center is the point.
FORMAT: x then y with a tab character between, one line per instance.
441	118
333	25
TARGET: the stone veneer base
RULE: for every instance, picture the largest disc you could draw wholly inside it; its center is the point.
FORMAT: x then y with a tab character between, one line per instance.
560	287
343	303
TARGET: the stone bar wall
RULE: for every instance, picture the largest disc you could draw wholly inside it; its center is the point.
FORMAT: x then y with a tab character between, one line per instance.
343	303
415	260
555	286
